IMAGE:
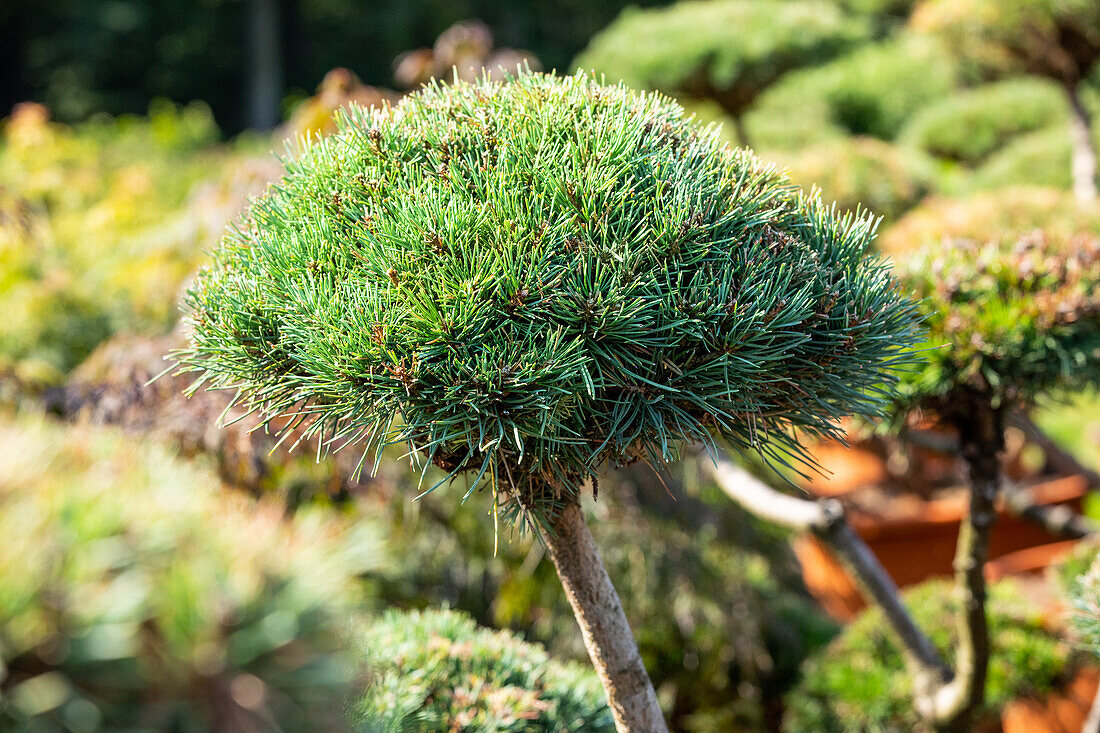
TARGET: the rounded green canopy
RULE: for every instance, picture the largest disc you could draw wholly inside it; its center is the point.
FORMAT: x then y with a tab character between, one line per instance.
527	279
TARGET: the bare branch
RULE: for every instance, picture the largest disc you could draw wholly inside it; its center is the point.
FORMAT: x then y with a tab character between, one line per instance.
1059	520
826	519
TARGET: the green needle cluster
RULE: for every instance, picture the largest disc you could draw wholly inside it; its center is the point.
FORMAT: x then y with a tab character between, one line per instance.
1009	320
524	280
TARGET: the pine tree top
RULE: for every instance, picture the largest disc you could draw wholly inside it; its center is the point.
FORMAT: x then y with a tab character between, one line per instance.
1009	319
525	280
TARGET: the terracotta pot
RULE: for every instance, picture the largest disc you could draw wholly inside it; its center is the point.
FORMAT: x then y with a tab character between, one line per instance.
1064	712
914	539
1028	561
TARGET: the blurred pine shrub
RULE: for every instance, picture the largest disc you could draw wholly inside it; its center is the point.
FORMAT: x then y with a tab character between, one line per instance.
970	125
873	90
437	671
726	51
136	595
860	683
1008	318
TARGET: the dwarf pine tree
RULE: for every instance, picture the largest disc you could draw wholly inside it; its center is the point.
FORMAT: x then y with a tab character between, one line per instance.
1054	39
522	282
1009	320
727	51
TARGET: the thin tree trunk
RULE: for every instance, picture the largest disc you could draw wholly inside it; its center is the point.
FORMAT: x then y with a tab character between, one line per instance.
265	76
606	632
981	438
826	519
1092	723
1084	155
742	132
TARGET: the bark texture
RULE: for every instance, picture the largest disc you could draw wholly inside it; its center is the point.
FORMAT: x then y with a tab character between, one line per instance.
606	632
981	438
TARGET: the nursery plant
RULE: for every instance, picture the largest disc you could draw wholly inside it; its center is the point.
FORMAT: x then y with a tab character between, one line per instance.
970	125
727	51
1009	321
860	681
523	281
1055	39
436	670
128	600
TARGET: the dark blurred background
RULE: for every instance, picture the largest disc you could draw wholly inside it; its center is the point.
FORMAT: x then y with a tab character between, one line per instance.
246	57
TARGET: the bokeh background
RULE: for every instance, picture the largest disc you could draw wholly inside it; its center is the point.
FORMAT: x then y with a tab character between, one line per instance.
171	575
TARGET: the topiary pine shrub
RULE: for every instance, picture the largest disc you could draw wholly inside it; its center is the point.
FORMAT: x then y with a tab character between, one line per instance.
860	682
436	670
972	124
1057	40
728	51
522	281
872	90
1010	321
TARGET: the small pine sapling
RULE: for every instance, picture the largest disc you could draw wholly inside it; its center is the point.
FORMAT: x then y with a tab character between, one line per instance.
1010	320
524	281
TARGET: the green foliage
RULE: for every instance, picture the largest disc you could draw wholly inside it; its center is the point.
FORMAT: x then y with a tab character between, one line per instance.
437	671
863	173
526	280
99	226
725	50
969	125
997	214
135	594
1009	319
874	90
1080	579
1041	158
1058	39
860	683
